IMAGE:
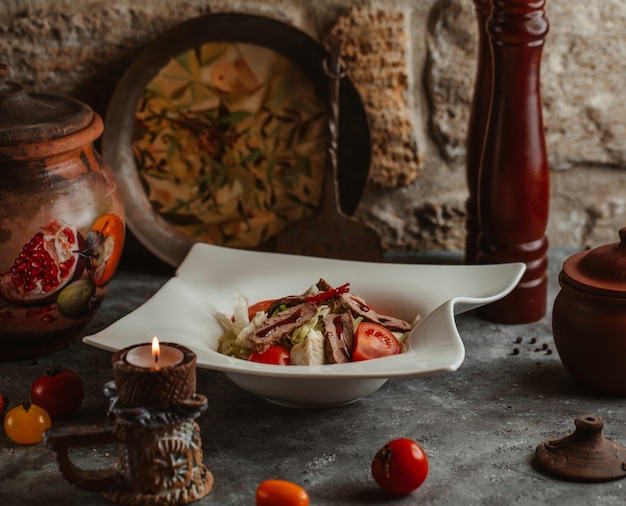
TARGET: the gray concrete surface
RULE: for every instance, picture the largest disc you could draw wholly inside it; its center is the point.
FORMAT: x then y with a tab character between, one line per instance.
479	425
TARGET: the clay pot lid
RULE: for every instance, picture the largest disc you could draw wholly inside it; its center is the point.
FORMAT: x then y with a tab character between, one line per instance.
601	270
585	455
29	118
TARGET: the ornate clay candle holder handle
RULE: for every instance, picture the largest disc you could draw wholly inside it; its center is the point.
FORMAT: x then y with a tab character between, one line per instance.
61	439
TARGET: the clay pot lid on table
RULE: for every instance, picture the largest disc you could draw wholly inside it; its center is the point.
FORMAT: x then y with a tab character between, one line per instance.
585	455
600	271
27	118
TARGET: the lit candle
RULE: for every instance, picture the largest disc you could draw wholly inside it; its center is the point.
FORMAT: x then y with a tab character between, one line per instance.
154	355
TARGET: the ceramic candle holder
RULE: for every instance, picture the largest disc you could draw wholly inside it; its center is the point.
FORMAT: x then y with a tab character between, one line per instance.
159	444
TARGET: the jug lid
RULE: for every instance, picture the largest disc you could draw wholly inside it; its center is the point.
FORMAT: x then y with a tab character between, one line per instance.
27	118
601	270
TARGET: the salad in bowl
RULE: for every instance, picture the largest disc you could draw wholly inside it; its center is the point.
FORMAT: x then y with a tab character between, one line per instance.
323	325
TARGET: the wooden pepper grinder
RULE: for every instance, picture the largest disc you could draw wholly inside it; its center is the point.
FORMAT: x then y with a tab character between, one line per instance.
477	128
514	187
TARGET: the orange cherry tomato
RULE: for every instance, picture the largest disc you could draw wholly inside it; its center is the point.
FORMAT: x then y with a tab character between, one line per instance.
26	423
109	231
372	340
281	493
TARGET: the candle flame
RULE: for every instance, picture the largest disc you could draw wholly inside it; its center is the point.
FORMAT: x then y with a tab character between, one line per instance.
156	349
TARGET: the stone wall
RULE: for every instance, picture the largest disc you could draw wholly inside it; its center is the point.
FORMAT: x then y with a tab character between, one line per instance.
427	49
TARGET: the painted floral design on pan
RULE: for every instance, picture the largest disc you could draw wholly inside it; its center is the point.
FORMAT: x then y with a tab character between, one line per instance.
229	142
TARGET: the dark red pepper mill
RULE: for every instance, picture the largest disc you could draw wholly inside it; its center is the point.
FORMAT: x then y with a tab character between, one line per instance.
477	128
513	185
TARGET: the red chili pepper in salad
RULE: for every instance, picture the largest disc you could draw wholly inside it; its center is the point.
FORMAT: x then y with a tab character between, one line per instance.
328	294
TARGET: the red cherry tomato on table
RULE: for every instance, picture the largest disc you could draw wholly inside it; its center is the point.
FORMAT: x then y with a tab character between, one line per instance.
281	493
277	355
26	423
372	340
400	466
60	391
3	404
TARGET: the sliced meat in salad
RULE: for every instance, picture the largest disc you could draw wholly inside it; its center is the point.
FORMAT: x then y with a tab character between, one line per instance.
323	325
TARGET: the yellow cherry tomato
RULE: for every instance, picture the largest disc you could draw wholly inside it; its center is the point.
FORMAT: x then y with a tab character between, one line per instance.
281	493
26	423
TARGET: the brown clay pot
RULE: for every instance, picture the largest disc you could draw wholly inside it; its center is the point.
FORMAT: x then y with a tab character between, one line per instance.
589	317
62	221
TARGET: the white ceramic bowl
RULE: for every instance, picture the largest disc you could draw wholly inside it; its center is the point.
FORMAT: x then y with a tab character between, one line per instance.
184	309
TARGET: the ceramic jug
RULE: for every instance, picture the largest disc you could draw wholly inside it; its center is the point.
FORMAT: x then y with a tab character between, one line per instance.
62	220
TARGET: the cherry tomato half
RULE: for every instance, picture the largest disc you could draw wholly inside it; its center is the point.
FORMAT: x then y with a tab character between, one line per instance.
262	305
277	355
281	493
372	340
26	423
3	404
60	391
400	466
